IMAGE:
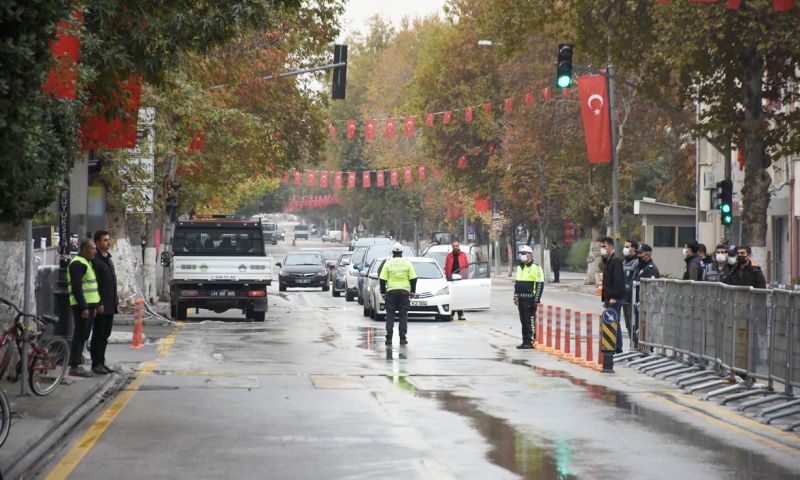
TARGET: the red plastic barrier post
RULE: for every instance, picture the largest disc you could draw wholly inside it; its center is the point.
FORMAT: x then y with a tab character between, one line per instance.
549	343
589	352
558	329
138	317
567	336
539	324
578	335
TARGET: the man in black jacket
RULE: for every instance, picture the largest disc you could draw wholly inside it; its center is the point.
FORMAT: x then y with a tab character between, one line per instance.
107	286
746	273
613	282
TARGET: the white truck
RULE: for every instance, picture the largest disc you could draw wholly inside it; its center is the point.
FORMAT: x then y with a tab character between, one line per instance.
218	263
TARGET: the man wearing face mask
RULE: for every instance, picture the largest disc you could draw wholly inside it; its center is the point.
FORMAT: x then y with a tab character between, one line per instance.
613	282
527	294
629	264
456	262
719	271
746	272
645	269
694	265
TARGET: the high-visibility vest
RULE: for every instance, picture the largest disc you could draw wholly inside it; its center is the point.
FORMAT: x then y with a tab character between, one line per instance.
89	284
398	273
529	277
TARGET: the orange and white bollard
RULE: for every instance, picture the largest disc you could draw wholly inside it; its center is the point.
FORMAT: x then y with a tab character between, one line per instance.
589	352
539	323
549	342
138	317
558	329
567	335
578	346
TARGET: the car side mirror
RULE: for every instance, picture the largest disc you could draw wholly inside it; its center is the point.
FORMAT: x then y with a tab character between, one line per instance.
166	261
357	266
455	276
278	264
363	273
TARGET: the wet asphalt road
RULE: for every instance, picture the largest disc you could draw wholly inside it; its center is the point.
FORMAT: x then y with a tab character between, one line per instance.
313	393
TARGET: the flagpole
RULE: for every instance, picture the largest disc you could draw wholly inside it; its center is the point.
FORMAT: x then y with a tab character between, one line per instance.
614	166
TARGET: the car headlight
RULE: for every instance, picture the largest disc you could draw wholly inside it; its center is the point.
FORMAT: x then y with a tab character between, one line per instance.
322	273
443	291
282	273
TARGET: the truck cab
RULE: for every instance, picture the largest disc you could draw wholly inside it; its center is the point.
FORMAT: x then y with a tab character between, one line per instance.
218	263
271	233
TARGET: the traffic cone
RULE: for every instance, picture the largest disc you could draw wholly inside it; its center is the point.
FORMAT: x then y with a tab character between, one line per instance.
138	317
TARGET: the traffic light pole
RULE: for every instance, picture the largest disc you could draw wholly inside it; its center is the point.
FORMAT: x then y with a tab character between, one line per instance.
614	164
728	175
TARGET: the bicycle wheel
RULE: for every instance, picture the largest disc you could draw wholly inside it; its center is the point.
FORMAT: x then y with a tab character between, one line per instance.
48	364
6	352
5	418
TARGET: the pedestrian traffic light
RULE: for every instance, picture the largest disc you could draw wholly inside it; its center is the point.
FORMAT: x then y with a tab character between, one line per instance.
339	73
725	196
564	67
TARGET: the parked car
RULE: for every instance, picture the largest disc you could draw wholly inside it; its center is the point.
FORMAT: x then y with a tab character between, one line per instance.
339	284
352	272
270	233
301	231
303	269
373	252
370	241
440	252
433	296
331	256
332	236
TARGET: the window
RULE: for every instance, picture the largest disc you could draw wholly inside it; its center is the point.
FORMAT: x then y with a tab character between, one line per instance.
663	236
685	234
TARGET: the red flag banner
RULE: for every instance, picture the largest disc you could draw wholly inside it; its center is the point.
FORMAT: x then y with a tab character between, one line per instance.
379	178
734	4
351	179
468	114
429	120
369	129
528	99
285	178
337	180
298	178
783	5
332	131
389	128
593	93
487	107
323	179
366	179
547	95
351	129
507	104
197	143
446	117
62	79
481	204
408	175
409	126
462	161
421	172
394	177
118	132
311	179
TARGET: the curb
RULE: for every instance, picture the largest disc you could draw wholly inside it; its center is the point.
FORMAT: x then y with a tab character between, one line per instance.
35	449
126	319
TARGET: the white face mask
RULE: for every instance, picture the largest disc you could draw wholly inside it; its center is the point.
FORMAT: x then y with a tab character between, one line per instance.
685	252
523	258
626	251
721	258
731	260
603	251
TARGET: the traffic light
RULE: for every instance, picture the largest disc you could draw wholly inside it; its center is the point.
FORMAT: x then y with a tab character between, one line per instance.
725	196
564	67
339	73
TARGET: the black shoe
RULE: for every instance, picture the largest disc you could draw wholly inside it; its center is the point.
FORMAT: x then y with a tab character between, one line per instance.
403	341
388	341
524	346
107	368
99	370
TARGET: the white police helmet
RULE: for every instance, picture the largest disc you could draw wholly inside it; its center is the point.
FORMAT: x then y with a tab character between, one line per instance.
397	248
525	249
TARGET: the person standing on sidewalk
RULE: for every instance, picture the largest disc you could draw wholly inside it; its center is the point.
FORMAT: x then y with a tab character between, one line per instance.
456	262
613	283
107	286
398	283
746	273
629	266
528	290
645	269
720	270
84	298
555	261
694	264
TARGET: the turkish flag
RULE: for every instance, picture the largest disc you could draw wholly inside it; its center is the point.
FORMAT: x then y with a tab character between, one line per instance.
481	204
409	126
311	179
783	5
389	128
507	104
446	117
528	99
119	131
62	79
462	161
369	129
429	120
394	177
547	95
351	129
337	180
408	176
593	93
421	172
298	178
332	131
379	178
487	107
351	179
323	180
734	4
285	178
365	179
468	114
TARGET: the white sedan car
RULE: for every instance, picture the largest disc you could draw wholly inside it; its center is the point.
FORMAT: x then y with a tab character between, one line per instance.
433	294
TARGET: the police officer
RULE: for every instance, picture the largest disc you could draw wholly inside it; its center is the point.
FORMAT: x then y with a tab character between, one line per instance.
527	294
646	269
398	286
84	298
746	272
630	262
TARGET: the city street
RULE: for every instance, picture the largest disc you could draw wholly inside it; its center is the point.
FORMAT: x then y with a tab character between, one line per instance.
314	393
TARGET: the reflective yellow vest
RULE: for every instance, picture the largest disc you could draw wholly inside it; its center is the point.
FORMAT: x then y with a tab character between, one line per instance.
89	286
398	273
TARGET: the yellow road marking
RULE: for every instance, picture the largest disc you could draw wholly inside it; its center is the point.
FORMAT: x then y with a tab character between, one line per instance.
92	434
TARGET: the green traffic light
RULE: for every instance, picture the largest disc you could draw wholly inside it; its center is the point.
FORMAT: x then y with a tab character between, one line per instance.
564	81
725	208
727	219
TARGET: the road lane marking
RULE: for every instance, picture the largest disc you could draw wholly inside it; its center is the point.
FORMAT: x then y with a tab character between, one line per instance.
92	434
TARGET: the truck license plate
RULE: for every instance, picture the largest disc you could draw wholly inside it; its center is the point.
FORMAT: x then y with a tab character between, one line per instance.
222	293
419	303
303	280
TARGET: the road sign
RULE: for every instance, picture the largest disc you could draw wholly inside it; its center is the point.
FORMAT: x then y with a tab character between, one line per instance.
497	225
610	315
360	228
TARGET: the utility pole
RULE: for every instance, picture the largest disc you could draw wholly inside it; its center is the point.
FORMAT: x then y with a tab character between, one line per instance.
614	163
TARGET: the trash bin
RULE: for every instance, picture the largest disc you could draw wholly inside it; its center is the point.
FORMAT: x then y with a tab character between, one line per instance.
47	289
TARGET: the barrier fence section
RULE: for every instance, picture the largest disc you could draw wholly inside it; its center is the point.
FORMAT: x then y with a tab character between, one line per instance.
734	330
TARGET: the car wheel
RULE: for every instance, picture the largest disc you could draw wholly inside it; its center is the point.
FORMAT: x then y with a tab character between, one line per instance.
444	318
281	287
335	292
348	295
372	313
381	317
173	310
366	309
360	300
181	311
259	316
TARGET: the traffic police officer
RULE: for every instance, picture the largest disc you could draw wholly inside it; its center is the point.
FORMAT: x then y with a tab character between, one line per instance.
398	286
84	298
527	293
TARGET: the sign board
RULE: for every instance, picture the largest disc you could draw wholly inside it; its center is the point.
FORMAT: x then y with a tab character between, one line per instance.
63	219
497	225
360	228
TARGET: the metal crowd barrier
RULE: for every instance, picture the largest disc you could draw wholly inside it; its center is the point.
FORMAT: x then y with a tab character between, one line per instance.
727	330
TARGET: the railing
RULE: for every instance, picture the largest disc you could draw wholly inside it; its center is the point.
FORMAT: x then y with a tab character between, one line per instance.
734	330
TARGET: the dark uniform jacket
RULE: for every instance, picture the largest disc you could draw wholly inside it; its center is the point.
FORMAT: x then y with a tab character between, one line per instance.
748	275
106	282
613	279
714	274
694	268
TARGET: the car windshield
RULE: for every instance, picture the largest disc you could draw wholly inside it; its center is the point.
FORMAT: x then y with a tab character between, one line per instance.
439	257
211	240
385	251
303	259
358	256
301	227
331	254
427	270
270	226
345	258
